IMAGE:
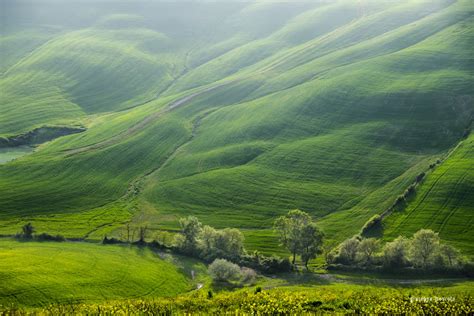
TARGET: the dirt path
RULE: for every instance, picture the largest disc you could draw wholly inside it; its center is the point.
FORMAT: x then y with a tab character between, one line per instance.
136	186
143	123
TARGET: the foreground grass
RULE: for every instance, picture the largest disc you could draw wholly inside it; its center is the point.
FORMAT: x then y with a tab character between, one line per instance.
37	274
337	299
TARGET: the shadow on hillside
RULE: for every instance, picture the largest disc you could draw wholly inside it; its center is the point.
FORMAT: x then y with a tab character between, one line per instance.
300	278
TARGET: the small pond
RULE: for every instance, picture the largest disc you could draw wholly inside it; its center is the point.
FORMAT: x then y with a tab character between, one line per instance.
10	153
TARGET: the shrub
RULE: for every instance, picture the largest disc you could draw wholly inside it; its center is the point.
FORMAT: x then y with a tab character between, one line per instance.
27	231
111	241
48	237
210	295
420	177
450	255
366	250
273	264
371	223
248	275
399	201
468	268
223	270
348	250
395	252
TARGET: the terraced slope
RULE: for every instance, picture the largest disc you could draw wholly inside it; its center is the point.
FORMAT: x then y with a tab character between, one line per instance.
333	108
444	202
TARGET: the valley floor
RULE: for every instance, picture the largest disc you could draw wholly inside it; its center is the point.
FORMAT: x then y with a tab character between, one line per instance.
90	278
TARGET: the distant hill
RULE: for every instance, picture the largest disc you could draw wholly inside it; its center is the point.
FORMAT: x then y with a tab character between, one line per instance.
238	112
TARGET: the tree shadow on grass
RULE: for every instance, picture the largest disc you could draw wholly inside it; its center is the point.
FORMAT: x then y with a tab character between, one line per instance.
305	278
218	286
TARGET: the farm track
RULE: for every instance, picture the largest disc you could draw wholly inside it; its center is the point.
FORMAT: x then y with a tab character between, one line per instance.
136	186
133	130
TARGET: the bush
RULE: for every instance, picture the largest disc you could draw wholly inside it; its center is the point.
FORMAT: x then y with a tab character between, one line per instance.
395	252
274	264
48	237
366	250
223	270
265	264
348	251
371	223
111	241
248	275
420	177
468	268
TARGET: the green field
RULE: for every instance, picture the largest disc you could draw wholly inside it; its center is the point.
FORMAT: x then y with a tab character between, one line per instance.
336	122
235	112
444	201
316	297
34	273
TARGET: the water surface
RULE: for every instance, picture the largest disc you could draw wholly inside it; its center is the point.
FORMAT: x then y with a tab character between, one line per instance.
11	153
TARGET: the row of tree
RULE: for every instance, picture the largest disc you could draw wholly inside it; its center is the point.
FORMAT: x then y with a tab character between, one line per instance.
300	235
208	243
424	250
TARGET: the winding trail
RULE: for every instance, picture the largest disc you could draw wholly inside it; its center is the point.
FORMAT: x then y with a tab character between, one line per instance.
136	186
134	129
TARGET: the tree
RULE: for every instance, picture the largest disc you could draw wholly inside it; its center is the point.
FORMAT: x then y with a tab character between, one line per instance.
348	250
229	243
311	243
190	229
28	231
450	253
367	248
223	270
289	227
424	245
395	252
207	240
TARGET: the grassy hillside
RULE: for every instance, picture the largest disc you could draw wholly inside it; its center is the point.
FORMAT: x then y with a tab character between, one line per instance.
35	274
333	108
444	201
346	143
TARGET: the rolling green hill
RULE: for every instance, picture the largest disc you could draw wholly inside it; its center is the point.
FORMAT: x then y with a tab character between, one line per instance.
443	202
262	107
36	274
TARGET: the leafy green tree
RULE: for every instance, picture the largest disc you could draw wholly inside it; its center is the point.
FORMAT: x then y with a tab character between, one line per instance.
190	229
311	243
424	246
207	240
450	253
395	253
289	229
348	250
299	235
27	231
229	243
366	249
